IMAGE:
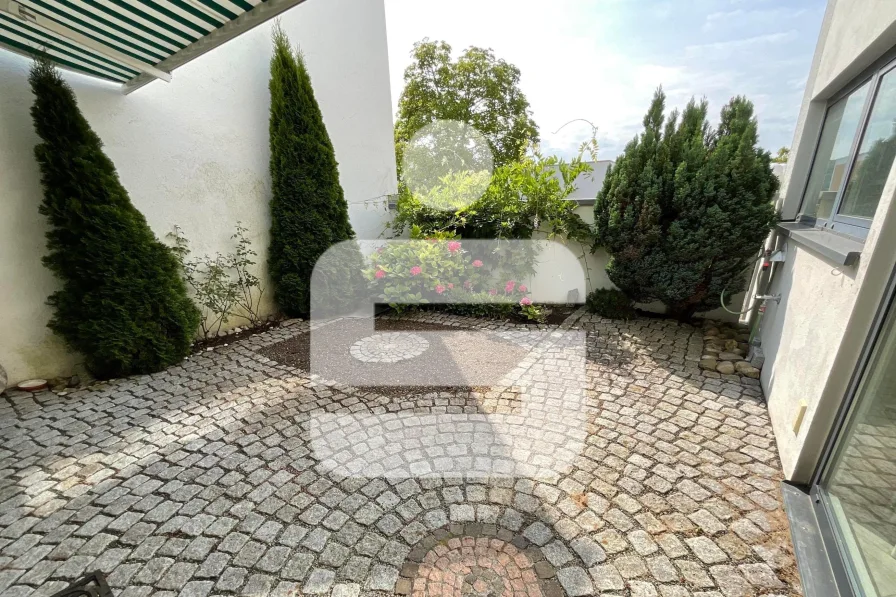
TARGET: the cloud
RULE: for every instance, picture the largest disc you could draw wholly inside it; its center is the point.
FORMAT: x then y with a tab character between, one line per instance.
726	48
602	61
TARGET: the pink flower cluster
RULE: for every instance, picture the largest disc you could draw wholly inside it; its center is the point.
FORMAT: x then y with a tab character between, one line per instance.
380	274
416	270
453	246
525	301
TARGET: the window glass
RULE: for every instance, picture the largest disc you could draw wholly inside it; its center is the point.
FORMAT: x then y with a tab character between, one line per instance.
829	168
875	155
860	483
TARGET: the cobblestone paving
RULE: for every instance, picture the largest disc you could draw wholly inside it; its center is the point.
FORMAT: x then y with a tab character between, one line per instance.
200	481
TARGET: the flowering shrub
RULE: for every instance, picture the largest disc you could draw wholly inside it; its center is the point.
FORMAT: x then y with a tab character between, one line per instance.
441	270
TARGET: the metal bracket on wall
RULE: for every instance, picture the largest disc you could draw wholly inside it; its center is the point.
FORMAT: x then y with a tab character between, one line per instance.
769	297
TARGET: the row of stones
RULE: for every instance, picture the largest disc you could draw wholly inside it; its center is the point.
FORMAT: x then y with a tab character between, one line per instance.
725	350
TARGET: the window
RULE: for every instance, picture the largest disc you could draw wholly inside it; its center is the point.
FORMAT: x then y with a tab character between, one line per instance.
854	156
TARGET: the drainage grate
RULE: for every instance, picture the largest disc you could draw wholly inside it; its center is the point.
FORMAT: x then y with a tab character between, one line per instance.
92	585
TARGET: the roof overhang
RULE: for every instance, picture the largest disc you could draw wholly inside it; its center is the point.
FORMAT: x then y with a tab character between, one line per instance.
131	42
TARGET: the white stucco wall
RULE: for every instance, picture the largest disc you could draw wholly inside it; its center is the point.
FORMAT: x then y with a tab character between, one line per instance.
800	337
194	152
812	338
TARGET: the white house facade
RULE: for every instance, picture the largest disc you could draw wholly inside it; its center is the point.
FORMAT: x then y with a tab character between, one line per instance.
827	331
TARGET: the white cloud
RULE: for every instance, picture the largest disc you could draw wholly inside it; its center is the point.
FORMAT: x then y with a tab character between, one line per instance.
602	61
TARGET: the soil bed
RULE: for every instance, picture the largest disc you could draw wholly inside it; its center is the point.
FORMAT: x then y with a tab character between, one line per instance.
488	353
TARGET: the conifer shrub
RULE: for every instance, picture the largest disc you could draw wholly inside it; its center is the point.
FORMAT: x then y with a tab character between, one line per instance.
123	303
309	213
685	209
610	303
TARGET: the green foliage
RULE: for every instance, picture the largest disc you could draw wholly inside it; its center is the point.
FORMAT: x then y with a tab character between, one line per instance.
782	156
684	211
610	303
222	285
478	89
440	270
309	213
533	313
122	304
523	197
869	178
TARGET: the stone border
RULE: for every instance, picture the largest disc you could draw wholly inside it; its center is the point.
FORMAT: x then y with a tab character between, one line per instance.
547	574
726	350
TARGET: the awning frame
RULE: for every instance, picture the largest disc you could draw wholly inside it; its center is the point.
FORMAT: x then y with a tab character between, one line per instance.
65	38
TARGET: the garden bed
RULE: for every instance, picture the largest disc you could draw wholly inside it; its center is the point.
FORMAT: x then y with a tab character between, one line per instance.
479	353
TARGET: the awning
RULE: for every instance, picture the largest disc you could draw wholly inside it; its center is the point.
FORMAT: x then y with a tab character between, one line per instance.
128	41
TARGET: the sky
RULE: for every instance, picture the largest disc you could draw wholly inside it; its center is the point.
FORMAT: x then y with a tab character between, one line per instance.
601	60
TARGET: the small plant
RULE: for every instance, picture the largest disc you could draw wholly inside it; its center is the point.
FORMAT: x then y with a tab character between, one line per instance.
249	289
532	312
222	285
610	303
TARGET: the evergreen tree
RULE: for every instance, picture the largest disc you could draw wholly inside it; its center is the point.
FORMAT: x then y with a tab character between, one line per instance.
309	213
683	213
123	303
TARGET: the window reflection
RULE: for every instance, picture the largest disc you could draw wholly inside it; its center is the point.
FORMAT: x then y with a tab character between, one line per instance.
875	155
829	168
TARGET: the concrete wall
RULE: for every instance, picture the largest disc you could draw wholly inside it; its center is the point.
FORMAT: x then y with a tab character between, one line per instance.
194	152
813	337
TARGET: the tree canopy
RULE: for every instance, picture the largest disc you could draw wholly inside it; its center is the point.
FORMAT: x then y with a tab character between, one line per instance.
477	88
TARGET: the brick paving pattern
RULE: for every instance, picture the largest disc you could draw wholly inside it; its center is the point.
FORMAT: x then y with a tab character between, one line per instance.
201	481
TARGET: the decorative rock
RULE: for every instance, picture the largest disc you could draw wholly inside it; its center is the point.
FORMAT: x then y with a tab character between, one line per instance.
74	381
708	363
745	368
730	345
730	356
32	385
725	368
57	384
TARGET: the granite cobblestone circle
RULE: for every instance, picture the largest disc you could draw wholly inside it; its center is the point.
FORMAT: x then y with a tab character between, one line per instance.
201	480
389	347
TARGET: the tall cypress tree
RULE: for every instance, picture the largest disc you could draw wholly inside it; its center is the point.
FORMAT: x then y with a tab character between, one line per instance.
309	213
123	303
683	213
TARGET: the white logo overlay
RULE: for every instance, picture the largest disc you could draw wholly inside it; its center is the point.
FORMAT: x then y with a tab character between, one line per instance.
533	423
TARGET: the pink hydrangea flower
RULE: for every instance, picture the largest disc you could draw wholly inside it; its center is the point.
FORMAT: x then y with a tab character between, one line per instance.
453	246
440	289
416	270
477	263
380	274
522	288
525	301
450	285
493	292
509	286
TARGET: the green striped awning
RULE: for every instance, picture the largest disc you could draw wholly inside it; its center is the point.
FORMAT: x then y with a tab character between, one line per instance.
128	41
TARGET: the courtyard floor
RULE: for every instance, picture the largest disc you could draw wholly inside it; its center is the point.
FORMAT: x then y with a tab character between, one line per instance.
206	479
